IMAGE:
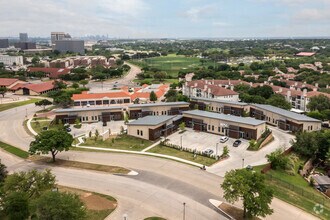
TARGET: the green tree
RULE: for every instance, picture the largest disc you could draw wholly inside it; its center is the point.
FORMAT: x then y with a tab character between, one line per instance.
97	134
83	83
33	183
182	126
319	103
75	85
51	141
3	91
35	60
16	206
279	101
277	159
3	173
43	103
225	151
153	96
58	205
306	143
160	76
317	115
251	188
171	95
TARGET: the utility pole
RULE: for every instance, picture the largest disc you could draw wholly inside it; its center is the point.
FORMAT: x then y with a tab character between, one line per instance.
216	150
181	141
184	211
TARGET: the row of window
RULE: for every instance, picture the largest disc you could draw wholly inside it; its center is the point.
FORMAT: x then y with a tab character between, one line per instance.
101	102
211	128
86	118
140	132
310	128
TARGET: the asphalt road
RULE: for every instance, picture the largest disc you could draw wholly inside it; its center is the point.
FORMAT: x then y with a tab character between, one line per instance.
105	86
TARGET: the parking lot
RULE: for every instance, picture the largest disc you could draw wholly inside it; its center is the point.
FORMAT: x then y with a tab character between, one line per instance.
202	140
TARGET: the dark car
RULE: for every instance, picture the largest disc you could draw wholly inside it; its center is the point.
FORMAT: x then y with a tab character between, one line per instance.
237	143
68	129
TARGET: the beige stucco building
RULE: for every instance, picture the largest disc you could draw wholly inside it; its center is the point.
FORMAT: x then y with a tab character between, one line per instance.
285	120
222	124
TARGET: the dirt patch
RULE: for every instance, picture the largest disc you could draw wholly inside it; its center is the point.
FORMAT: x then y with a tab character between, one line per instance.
92	201
96	202
234	212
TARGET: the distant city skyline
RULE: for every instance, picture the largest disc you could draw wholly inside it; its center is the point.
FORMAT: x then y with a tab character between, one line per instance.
167	19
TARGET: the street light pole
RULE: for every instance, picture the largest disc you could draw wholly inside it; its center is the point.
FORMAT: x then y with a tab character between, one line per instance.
184	211
216	149
181	141
242	162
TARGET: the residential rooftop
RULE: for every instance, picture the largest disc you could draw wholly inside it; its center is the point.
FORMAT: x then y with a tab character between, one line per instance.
225	117
157	104
220	101
285	113
152	120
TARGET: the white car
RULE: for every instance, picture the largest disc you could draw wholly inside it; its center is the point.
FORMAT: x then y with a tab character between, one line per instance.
223	139
208	151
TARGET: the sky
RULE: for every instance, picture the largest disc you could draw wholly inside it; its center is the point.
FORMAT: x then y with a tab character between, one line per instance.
167	18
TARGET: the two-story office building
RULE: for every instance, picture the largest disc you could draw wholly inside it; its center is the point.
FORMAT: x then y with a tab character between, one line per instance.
222	124
160	108
285	120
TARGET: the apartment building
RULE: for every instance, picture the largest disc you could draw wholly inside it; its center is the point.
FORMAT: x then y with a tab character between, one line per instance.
285	120
11	60
214	89
136	111
222	124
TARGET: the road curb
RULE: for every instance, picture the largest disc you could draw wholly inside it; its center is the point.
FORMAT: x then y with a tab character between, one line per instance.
216	204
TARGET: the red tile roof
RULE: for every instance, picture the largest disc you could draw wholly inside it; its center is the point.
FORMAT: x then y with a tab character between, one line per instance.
53	72
119	94
214	86
316	93
37	87
306	54
7	81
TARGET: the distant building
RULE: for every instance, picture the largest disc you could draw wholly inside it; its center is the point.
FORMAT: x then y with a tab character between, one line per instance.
4	43
9	82
23	37
11	60
52	73
25	45
55	36
214	89
305	54
34	88
69	45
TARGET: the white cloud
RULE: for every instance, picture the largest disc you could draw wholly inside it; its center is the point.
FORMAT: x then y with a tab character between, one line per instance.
40	17
312	15
195	14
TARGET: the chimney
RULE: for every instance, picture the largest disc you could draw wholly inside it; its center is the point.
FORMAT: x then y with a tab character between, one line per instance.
251	84
209	90
205	86
314	89
212	81
304	92
195	85
206	81
271	84
295	83
299	89
288	94
280	89
232	87
327	86
316	85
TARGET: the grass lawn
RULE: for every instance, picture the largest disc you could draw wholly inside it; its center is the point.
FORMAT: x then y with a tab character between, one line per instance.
38	125
153	81
172	63
80	165
14	150
182	154
121	142
98	206
296	191
7	106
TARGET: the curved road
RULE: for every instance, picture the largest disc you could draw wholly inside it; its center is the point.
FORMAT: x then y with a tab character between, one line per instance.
127	80
160	188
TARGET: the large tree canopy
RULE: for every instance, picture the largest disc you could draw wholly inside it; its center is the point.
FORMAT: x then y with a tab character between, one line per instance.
319	103
251	188
51	141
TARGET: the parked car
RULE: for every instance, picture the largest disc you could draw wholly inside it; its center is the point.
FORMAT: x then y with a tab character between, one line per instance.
68	129
237	143
208	151
223	139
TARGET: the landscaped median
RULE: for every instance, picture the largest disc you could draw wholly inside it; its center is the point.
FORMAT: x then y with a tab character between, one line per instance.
14	150
7	106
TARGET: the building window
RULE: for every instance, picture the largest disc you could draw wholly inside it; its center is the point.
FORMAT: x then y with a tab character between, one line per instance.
311	127
219	129
138	132
212	127
141	133
209	127
162	112
273	121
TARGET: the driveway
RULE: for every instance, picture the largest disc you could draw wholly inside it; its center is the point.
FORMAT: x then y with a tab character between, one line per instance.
202	140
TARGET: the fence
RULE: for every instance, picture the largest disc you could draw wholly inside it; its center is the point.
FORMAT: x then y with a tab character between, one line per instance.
318	198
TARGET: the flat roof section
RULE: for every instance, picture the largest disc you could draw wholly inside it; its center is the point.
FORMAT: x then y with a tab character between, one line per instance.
151	120
243	120
158	104
285	113
70	110
219	101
